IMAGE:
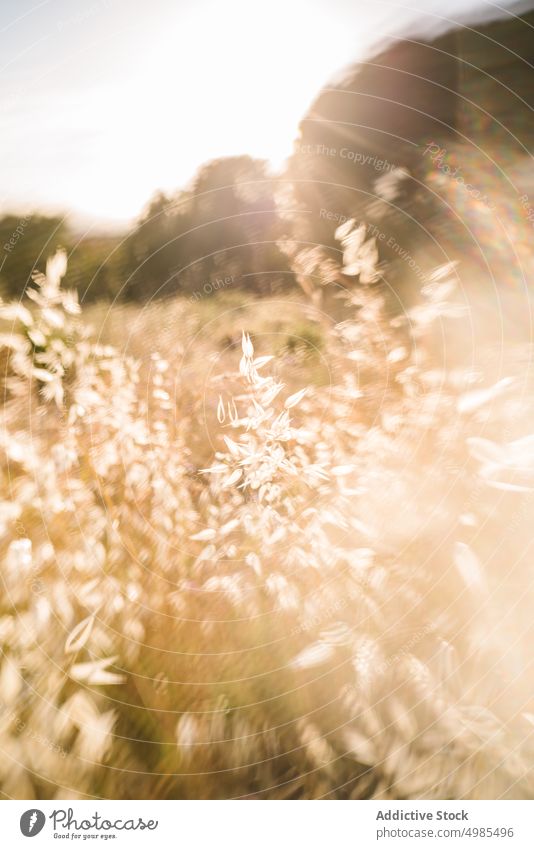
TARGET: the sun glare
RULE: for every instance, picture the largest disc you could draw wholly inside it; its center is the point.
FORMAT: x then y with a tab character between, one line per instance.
223	81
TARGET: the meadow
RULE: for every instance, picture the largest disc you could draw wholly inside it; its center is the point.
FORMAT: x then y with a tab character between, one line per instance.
265	547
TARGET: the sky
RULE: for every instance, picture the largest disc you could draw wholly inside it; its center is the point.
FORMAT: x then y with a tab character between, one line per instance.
103	102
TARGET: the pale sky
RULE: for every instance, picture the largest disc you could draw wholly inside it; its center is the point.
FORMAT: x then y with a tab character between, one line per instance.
104	101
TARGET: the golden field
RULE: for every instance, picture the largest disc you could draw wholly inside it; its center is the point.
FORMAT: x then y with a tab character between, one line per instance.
268	548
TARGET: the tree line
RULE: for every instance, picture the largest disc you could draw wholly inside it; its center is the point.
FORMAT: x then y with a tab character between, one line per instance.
224	225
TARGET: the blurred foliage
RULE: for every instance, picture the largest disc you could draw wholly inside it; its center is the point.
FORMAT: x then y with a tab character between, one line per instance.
272	547
229	574
220	233
97	263
223	228
25	244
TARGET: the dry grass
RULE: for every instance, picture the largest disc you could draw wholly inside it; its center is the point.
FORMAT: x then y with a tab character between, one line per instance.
217	585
